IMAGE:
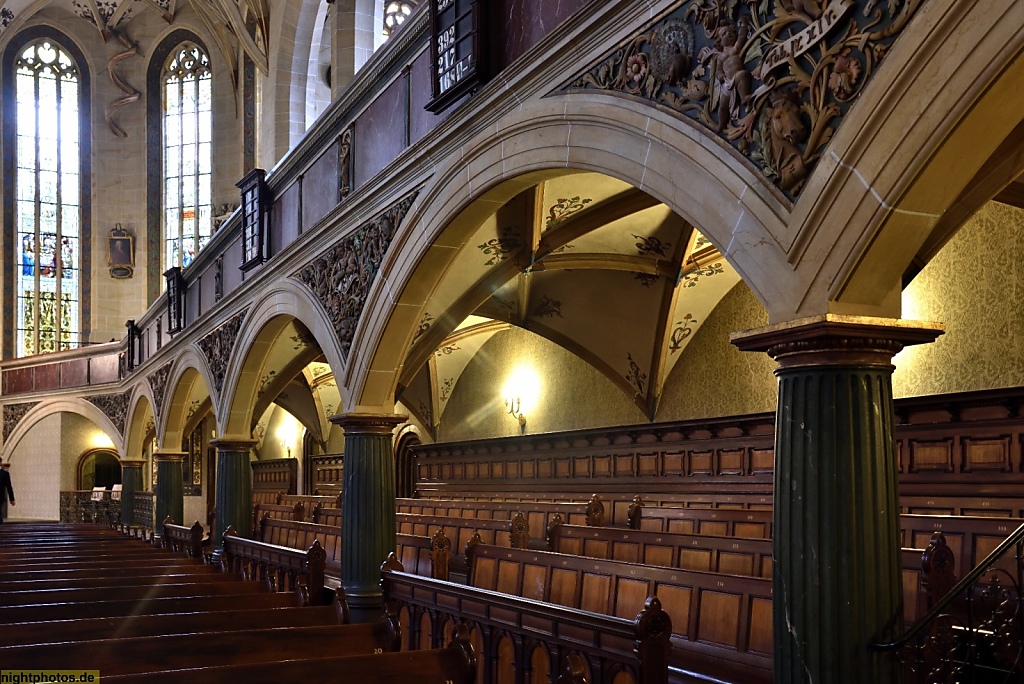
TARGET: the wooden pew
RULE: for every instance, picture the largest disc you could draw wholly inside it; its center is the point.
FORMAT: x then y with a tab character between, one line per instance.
276	511
229	585
310	501
720	522
85	629
416	549
281	568
453	665
146	606
521	635
723	623
181	539
727	555
325	515
513	533
236	646
971	538
538	515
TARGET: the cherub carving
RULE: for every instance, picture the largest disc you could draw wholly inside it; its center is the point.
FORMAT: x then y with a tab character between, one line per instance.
731	75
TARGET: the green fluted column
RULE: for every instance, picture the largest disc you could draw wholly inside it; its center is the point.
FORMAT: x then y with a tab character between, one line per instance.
131	482
368	508
170	497
837	585
234	489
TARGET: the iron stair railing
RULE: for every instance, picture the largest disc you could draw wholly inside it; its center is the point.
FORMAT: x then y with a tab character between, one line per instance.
974	634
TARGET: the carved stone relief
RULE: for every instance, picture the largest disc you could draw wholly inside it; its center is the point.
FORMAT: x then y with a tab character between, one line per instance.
114	407
158	382
341	278
13	413
773	79
217	347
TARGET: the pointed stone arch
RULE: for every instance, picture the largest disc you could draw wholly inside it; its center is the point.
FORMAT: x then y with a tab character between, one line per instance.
188	368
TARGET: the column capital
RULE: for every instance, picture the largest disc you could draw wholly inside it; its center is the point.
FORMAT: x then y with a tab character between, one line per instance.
832	339
169	456
368	423
233	443
132	462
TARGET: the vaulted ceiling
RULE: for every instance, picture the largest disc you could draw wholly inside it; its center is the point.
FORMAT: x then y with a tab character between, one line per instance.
572	259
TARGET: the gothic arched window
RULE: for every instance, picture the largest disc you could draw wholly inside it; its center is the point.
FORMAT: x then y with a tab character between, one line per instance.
394	14
48	196
187	154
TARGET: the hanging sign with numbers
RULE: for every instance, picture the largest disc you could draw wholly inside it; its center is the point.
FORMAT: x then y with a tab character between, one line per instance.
456	49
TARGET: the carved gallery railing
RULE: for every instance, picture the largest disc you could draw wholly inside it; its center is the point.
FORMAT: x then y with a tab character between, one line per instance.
276	475
326	474
85	506
975	633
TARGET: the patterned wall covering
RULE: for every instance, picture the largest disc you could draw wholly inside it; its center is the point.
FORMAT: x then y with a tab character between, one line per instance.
975	285
716	379
573	394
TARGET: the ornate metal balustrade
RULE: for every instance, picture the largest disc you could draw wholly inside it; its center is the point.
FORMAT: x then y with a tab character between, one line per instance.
79	506
974	634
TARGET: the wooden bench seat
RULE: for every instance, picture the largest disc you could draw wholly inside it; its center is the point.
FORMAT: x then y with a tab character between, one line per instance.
453	665
146	606
87	629
538	515
230	585
76	582
310	501
971	538
238	646
276	511
326	515
719	522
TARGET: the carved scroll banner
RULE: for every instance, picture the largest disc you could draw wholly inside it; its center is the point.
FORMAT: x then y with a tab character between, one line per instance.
806	39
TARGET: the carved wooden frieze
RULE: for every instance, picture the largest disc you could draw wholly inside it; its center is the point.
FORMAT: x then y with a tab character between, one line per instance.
13	413
341	278
217	347
114	407
773	78
158	382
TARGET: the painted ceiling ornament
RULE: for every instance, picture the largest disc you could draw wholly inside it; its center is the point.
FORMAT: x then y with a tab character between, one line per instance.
341	277
693	277
424	326
683	329
547	308
13	413
635	377
501	248
564	208
114	407
218	345
158	383
772	78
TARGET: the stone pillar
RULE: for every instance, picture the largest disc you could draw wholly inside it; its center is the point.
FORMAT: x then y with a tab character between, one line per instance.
131	482
170	497
367	509
358	32
234	489
837	583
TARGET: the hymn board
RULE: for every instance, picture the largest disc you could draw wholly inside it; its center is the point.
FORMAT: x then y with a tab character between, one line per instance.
457	50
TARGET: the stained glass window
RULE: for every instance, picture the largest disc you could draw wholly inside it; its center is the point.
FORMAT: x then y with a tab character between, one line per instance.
188	156
47	199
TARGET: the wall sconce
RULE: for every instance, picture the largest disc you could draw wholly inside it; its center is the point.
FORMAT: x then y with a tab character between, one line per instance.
286	445
513	408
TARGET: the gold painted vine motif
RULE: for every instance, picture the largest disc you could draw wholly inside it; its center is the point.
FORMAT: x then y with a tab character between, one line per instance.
772	77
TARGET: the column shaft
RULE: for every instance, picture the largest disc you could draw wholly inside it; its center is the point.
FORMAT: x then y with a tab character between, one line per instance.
234	489
368	509
837	584
131	482
170	498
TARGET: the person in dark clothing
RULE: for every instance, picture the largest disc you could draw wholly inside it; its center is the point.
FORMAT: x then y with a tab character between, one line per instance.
6	491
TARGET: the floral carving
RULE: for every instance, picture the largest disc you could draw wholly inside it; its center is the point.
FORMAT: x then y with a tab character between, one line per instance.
341	278
635	377
566	207
681	332
13	413
501	248
447	350
114	407
646	279
693	277
158	382
217	347
425	323
774	79
547	308
651	246
446	388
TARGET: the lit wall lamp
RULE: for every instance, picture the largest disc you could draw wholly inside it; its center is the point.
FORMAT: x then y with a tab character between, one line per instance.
513	407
